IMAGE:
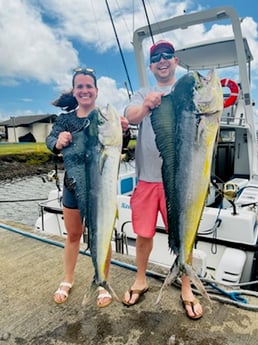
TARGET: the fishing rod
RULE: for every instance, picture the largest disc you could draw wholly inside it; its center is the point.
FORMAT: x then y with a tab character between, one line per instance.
119	46
128	92
146	14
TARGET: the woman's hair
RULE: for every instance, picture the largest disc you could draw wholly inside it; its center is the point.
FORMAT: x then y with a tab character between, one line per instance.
67	101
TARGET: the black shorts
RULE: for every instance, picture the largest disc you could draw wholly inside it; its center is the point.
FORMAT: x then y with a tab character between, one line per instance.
69	199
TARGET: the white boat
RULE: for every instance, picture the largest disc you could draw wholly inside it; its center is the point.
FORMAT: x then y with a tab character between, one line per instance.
227	239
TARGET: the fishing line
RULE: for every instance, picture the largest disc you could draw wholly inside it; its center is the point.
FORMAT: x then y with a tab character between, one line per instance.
153	13
123	18
96	20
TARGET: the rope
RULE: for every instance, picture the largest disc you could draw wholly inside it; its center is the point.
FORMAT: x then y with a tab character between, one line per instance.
216	293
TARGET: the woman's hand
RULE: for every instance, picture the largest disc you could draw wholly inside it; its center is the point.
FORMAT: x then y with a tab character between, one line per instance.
124	123
64	139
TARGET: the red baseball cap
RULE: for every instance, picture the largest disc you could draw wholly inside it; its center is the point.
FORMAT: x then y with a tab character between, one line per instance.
162	46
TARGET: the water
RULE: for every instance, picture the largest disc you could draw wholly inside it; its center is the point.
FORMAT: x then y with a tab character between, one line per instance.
14	196
24	211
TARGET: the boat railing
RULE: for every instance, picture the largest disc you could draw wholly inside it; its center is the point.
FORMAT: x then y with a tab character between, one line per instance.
238	121
51	206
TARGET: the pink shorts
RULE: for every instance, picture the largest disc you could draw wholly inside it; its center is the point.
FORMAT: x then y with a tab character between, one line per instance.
147	200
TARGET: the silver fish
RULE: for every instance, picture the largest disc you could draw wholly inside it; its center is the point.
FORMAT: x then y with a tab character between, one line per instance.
92	165
102	172
186	125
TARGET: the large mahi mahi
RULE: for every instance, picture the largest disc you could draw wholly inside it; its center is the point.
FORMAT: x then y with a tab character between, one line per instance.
92	165
185	126
103	175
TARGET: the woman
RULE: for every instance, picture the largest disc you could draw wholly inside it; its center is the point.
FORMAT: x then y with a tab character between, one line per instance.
81	100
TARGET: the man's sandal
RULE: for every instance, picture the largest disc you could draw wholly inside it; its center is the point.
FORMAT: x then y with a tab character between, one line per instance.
62	293
138	294
192	304
103	295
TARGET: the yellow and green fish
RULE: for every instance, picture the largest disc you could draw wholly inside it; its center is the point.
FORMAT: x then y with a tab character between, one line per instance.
186	125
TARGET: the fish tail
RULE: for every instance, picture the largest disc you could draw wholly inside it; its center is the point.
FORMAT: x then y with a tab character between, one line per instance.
196	281
170	278
90	292
175	271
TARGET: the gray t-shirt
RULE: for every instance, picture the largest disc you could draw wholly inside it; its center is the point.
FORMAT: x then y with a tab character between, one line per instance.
147	156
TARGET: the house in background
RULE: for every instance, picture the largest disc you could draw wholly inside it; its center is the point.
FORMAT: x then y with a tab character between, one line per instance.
33	128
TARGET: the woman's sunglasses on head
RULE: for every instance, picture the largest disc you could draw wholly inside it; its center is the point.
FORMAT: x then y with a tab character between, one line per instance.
157	57
84	70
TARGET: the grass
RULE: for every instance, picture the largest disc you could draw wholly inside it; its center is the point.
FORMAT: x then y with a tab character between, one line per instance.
22	148
32	153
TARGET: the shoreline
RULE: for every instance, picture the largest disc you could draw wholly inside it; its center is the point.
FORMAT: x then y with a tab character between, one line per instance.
12	166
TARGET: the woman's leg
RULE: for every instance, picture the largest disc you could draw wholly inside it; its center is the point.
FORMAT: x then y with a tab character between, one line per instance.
74	230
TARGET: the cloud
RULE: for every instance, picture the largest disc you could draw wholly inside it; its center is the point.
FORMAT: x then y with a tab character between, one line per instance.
89	21
41	40
30	48
26	100
110	94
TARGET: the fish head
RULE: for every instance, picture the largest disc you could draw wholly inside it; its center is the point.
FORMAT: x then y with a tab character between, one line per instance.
208	95
109	127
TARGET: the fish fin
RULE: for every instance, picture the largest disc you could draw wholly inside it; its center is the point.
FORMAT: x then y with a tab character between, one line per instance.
88	296
196	281
216	144
102	115
107	287
102	160
170	278
200	125
112	291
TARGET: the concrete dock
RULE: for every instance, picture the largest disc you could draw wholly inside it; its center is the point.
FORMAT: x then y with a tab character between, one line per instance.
31	269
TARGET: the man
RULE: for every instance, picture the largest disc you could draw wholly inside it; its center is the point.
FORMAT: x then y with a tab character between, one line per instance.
149	194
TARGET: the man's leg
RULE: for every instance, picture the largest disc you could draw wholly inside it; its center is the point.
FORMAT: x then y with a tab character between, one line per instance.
143	250
193	310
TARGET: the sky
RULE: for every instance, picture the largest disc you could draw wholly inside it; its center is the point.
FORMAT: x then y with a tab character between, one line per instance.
41	41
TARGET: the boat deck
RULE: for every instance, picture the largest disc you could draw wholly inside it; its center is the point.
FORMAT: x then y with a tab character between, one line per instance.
31	270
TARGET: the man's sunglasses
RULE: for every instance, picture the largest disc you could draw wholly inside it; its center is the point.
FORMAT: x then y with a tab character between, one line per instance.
84	70
156	58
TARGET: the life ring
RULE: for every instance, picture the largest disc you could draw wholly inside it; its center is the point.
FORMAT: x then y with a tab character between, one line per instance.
234	91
